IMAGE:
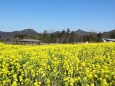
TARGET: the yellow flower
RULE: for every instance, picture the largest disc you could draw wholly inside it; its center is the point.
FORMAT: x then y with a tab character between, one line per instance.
14	76
90	76
14	83
83	64
85	79
21	78
48	82
71	81
92	84
36	83
104	82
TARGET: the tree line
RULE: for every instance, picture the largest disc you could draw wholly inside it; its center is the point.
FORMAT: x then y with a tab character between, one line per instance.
66	36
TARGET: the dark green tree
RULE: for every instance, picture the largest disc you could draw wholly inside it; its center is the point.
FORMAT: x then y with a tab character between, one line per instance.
99	37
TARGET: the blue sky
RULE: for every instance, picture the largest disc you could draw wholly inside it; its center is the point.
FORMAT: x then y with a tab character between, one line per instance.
53	15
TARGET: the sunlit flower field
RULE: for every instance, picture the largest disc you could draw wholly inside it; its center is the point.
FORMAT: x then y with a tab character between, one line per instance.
90	64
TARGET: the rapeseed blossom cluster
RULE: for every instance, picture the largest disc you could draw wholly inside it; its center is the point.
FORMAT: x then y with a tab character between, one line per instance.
90	64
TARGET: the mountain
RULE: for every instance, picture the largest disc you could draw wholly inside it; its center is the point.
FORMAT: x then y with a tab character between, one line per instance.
108	34
80	32
27	32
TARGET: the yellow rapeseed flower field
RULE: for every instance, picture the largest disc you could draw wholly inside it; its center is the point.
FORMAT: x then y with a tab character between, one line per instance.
90	64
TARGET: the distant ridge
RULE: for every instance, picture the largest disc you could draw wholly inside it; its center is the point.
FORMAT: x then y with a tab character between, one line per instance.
28	32
106	34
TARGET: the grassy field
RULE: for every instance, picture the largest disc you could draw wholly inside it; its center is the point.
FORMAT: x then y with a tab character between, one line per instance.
90	64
